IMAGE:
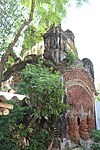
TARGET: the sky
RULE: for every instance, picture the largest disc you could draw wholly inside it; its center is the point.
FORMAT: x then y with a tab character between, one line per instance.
85	24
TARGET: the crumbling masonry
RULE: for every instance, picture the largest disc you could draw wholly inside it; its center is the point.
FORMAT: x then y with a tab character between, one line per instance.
78	80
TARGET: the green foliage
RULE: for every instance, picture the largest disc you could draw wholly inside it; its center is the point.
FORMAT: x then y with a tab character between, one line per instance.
38	142
44	90
11	18
98	96
8	127
13	13
46	13
9	62
95	146
29	124
80	2
13	131
71	56
31	37
95	134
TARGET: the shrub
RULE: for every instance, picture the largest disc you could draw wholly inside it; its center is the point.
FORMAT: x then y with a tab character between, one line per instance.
95	134
95	146
44	90
29	124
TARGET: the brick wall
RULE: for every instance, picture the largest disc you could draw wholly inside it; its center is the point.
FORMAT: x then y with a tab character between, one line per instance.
80	95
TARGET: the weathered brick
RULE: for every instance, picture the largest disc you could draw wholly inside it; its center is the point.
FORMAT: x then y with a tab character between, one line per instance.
79	90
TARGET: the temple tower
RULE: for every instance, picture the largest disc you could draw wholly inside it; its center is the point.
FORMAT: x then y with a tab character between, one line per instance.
57	43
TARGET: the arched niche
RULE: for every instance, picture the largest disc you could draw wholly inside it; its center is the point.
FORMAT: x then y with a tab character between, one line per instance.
89	112
78	95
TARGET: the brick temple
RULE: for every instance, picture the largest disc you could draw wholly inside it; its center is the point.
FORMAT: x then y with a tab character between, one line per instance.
78	81
77	78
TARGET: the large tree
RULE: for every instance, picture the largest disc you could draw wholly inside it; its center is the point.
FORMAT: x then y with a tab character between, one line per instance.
16	15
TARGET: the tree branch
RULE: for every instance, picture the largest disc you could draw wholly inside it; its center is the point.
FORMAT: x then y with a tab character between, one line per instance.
19	31
11	45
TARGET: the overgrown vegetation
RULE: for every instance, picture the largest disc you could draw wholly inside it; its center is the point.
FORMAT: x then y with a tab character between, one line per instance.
31	124
95	146
71	56
17	15
95	134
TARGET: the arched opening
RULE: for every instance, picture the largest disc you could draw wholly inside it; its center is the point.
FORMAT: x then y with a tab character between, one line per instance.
78	120
81	111
89	112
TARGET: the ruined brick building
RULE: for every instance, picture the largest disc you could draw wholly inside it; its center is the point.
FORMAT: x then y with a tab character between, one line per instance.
78	80
77	77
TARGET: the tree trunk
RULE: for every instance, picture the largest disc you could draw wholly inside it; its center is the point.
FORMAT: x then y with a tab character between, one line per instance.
11	45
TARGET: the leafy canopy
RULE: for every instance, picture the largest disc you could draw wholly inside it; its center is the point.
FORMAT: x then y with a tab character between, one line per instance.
11	18
14	13
17	15
44	90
